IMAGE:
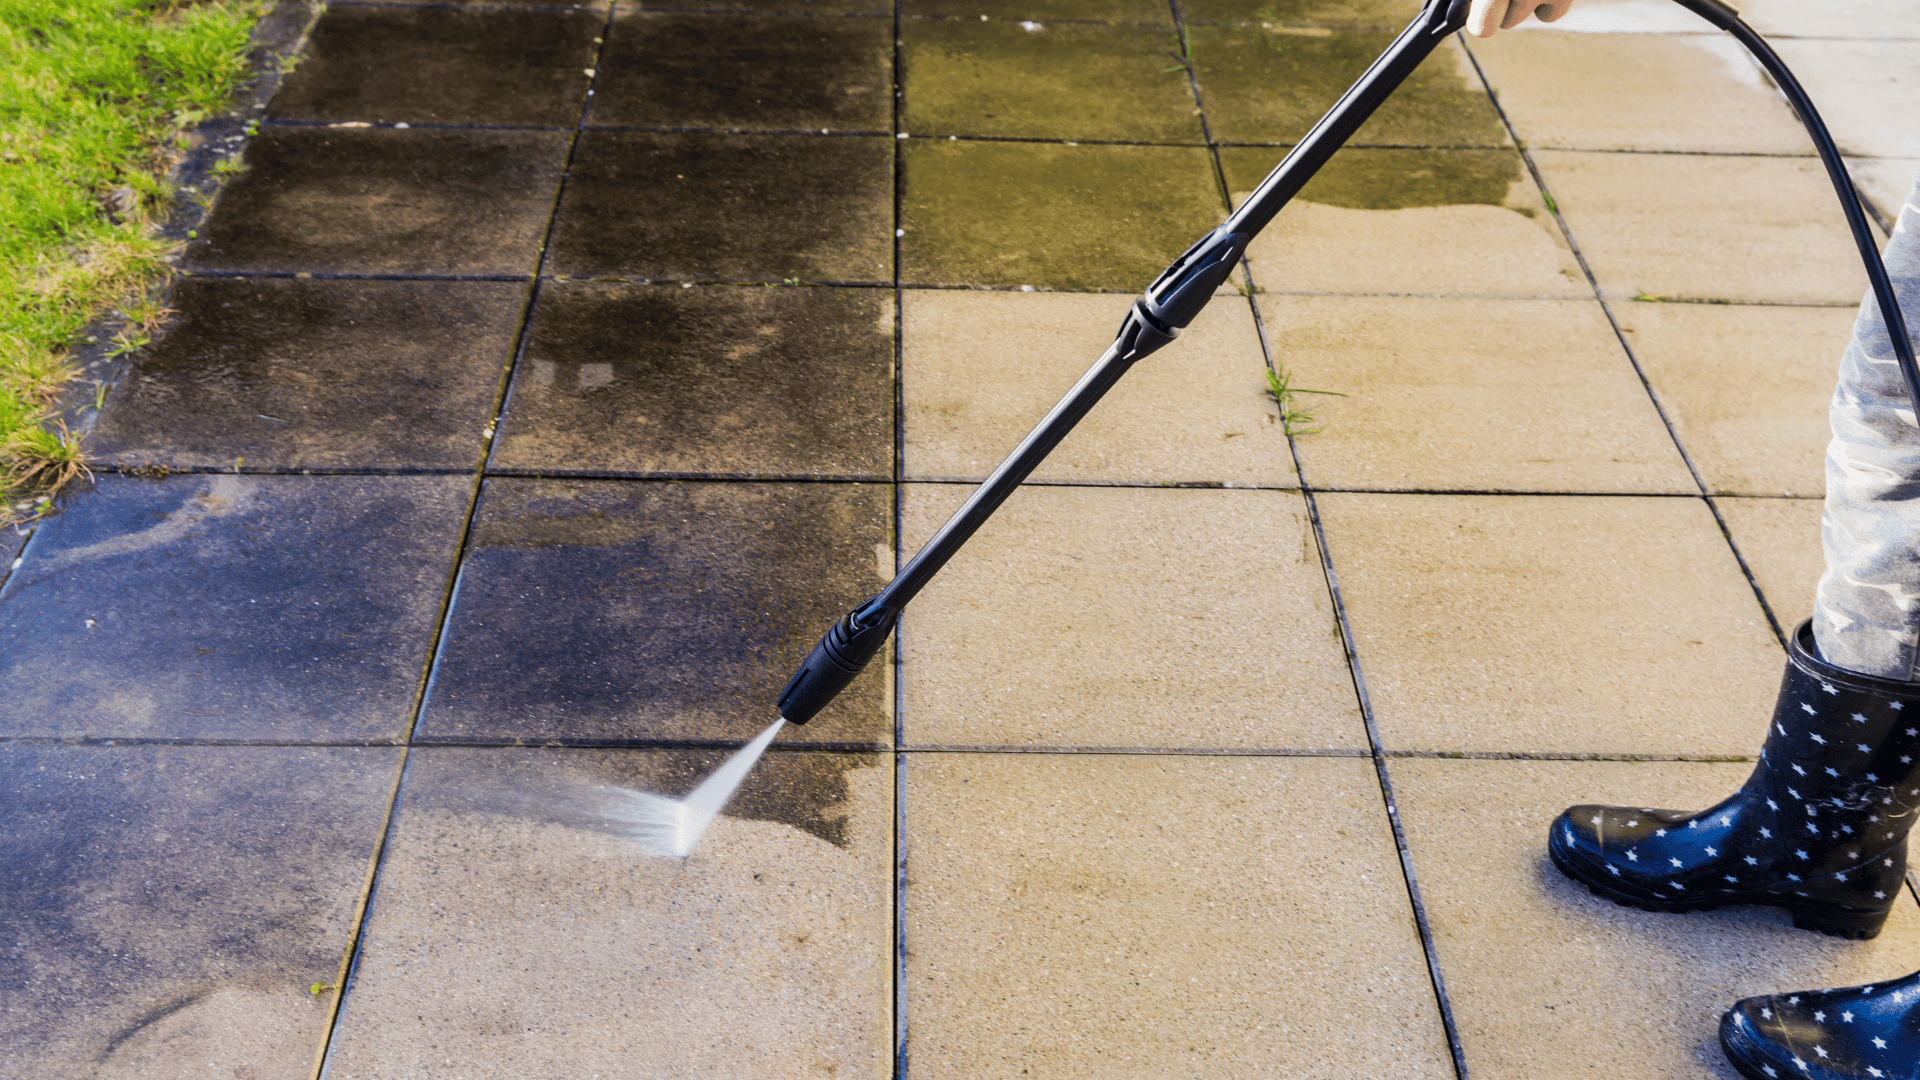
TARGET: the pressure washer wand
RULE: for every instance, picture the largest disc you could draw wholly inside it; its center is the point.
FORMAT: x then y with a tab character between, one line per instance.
1170	303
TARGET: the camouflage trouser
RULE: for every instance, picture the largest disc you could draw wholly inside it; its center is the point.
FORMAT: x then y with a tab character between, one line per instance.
1867	615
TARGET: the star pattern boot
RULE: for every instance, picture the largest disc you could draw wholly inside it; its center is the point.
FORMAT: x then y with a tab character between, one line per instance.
1858	1033
1820	828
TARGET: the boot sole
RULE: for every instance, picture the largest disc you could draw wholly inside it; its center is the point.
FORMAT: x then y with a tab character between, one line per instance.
1834	922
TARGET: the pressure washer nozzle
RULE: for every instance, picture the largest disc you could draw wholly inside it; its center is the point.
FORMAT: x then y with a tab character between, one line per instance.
842	653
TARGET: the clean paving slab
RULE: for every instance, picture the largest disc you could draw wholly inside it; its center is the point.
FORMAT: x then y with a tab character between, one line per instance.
1050	215
277	373
610	612
384	201
1623	92
1857	19
1886	183
652	380
1780	541
1546	979
979	369
1262	84
1035	80
1133	916
443	65
1551	624
1862	90
172	906
518	930
755	72
1745	387
1464	394
1707	227
1395	221
1125	617
215	606
707	206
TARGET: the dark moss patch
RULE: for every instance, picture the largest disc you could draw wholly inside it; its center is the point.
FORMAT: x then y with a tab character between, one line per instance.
810	7
1048	81
138	880
746	71
1049	215
443	65
651	379
1017	10
606	612
416	201
662	206
1394	14
281	608
805	789
1382	179
316	374
1270	86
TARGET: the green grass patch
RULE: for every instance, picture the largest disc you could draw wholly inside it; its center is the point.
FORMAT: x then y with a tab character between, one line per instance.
95	98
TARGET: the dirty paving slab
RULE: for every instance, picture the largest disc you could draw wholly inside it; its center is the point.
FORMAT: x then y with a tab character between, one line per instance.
548	377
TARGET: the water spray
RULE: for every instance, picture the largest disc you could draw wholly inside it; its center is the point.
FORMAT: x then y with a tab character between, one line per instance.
1178	294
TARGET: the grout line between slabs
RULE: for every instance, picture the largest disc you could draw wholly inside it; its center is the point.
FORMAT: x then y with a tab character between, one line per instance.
896	83
1626	347
351	962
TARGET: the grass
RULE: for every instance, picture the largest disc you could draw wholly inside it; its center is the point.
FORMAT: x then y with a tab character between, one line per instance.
1293	418
95	98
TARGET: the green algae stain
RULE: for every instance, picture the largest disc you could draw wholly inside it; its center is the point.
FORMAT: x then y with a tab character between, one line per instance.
1049	215
1391	179
1271	85
1378	13
1047	81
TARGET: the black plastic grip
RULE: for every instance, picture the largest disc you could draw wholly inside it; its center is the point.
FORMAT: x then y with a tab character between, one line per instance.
842	653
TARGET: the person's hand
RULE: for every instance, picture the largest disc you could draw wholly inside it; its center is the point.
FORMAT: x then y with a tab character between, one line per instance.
1487	16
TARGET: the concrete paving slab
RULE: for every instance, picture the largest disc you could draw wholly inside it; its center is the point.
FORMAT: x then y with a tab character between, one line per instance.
1745	387
1621	17
1554	624
257	608
580	5
1546	979
766	952
1780	540
171	905
1619	92
1125	617
715	207
651	380
1385	221
1862	89
1142	11
290	374
1857	19
1885	183
754	72
594	611
979	369
1380	14
385	201
1262	85
1051	216
1703	227
1029	79
443	66
1471	395
1132	916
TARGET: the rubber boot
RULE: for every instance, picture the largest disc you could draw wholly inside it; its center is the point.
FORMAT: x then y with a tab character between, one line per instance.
1859	1033
1820	828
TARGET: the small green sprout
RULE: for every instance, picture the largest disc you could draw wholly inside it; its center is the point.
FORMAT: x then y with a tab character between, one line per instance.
1292	418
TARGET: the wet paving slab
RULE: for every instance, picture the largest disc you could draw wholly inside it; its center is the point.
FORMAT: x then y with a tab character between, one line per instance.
768	7
223	607
273	373
660	380
1051	216
1029	79
385	201
604	612
1263	85
716	207
748	72
443	65
171	907
767	952
1386	14
1138	11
